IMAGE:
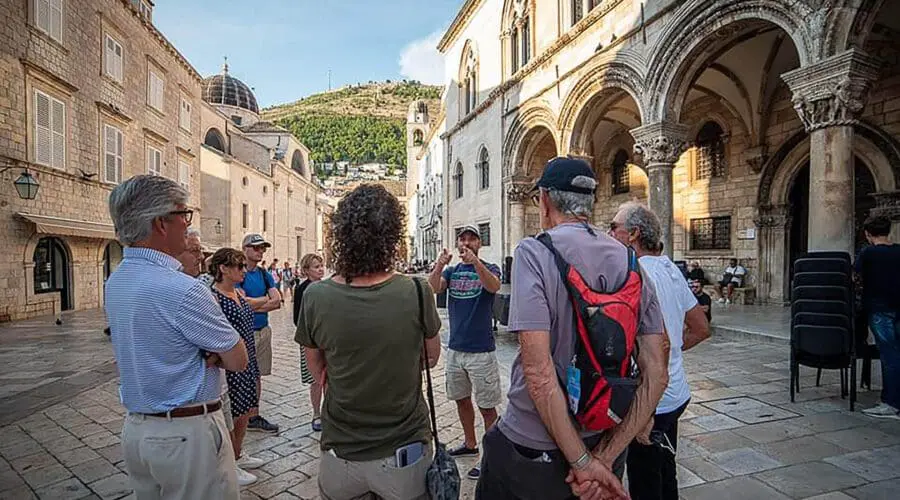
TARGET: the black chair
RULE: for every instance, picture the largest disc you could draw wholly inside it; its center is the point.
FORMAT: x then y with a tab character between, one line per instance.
824	347
841	293
821	279
500	308
821	307
827	255
822	266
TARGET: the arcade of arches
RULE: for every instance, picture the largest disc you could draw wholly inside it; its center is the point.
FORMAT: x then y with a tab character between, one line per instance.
746	142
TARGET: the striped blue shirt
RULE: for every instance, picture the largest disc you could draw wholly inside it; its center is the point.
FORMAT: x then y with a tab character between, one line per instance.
160	319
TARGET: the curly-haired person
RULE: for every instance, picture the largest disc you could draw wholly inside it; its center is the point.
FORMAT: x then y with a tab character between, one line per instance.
363	324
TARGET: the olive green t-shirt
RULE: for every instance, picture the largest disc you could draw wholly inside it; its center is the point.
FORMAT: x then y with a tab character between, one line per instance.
372	341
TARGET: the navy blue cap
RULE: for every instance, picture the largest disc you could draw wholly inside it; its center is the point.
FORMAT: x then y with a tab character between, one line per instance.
561	171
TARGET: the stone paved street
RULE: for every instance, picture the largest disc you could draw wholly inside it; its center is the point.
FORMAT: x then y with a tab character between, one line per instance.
741	437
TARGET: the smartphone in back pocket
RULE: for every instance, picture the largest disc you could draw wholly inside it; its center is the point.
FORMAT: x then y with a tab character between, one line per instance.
409	454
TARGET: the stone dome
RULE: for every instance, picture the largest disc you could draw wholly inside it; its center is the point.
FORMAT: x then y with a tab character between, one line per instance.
224	89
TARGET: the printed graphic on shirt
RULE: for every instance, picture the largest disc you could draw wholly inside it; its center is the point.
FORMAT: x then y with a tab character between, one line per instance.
464	285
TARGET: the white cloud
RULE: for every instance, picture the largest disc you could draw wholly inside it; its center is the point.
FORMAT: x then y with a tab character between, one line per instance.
420	60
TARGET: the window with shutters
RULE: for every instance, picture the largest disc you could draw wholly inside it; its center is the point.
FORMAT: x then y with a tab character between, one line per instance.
184	174
49	130
114	59
621	177
577	11
710	151
184	117
154	161
484	232
113	153
48	17
711	233
458	180
484	169
155	90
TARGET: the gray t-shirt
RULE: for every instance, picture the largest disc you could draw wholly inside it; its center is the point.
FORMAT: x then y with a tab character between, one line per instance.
541	302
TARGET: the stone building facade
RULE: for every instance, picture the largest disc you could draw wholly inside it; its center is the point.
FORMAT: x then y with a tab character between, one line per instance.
425	182
756	129
92	93
256	176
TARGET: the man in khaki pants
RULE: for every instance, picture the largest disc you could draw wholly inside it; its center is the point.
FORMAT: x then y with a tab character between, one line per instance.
170	340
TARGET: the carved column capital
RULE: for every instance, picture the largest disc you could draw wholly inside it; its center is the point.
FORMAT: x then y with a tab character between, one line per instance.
834	91
517	190
661	142
887	204
773	216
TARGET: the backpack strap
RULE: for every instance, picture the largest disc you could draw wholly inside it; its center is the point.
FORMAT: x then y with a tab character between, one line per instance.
561	263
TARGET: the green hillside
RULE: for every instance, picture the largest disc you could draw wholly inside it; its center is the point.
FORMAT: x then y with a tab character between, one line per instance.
358	123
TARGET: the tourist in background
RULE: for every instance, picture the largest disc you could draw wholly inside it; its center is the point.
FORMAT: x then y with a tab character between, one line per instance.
312	268
259	289
651	458
878	267
703	298
227	266
174	438
732	278
363	325
287	278
697	273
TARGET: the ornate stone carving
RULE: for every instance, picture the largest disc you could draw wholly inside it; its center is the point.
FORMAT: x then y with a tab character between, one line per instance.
517	191
887	204
756	158
832	92
661	142
773	216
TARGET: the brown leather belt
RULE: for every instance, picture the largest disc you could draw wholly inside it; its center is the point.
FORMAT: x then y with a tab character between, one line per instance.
190	411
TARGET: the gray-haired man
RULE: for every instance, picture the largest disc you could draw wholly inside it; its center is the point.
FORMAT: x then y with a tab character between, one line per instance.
175	439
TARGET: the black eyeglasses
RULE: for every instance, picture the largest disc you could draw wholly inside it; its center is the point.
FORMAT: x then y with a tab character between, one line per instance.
613	226
536	199
188	215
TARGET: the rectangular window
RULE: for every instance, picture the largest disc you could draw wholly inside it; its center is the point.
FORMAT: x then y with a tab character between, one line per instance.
114	58
184	174
577	11
113	154
155	90
299	249
484	231
184	117
245	215
147	11
48	17
265	224
711	233
154	161
49	130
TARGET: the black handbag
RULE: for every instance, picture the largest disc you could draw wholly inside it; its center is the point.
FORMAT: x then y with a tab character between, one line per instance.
442	477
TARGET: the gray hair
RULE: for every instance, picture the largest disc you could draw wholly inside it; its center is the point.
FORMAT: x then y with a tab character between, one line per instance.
192	232
639	217
137	202
570	203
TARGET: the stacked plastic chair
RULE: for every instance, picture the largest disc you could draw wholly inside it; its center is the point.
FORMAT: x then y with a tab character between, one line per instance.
822	319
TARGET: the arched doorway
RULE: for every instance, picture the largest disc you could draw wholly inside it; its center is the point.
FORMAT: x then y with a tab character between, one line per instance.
798	200
53	270
538	147
112	256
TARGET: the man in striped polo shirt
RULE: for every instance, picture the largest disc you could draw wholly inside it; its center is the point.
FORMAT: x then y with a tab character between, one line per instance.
174	440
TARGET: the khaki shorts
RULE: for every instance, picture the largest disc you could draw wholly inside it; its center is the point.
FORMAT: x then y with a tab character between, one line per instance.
263	339
226	411
339	478
479	370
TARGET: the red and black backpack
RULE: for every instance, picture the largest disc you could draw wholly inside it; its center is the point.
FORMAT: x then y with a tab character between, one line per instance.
605	345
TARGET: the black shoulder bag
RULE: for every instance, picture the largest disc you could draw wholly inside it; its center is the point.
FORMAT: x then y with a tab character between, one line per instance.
442	477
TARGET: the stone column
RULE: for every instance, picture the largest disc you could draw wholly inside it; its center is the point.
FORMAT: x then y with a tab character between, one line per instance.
660	144
516	194
774	224
829	96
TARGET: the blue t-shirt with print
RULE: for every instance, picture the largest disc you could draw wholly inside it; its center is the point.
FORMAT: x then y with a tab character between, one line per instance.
471	309
256	284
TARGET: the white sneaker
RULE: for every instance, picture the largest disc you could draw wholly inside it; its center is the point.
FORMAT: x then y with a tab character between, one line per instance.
727	301
248	462
883	410
244	477
721	301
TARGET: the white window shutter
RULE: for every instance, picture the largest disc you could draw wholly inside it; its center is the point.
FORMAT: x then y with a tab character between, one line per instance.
42	14
43	142
56	19
120	63
58	128
120	161
184	174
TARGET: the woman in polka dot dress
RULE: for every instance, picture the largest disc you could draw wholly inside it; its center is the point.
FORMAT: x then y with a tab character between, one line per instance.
227	268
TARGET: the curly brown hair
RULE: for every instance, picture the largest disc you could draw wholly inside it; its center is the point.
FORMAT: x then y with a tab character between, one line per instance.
366	230
228	257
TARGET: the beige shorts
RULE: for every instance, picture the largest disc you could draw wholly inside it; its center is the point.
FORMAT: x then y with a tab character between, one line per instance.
479	370
339	478
263	339
226	411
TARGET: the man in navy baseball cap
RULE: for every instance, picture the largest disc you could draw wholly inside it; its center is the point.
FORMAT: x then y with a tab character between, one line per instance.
565	173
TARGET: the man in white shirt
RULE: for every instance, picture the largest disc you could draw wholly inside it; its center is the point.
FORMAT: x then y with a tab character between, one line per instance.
732	278
651	458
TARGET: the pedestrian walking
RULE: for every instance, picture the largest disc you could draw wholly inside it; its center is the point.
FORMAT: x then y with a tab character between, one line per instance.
878	267
287	278
703	298
471	359
260	291
312	268
651	457
537	450
174	441
363	324
227	266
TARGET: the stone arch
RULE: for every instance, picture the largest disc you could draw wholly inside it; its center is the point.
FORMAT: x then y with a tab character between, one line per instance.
844	31
67	301
522	126
879	149
298	165
598	82
675	54
214	139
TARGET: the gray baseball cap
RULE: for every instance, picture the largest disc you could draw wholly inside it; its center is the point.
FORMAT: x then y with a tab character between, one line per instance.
255	240
469	229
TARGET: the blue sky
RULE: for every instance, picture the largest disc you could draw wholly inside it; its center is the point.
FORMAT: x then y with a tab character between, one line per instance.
284	48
